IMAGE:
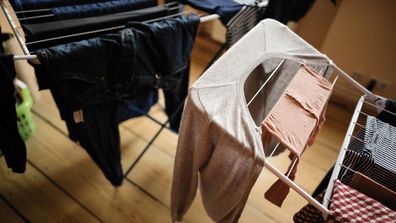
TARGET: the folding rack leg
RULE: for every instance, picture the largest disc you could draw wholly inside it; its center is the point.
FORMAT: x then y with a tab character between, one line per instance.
163	126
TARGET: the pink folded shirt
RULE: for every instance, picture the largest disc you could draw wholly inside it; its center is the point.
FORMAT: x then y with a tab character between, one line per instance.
295	120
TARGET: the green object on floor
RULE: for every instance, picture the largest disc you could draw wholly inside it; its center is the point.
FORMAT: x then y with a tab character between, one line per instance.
25	122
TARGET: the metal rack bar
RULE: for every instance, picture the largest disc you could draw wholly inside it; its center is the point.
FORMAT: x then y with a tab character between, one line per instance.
341	154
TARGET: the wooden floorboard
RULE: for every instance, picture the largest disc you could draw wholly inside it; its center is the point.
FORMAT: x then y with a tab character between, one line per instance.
38	199
70	167
7	214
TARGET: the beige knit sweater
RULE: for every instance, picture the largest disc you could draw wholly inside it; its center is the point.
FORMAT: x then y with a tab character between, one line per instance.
220	138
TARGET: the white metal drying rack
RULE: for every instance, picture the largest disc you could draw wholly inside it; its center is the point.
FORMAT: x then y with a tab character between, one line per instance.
28	56
34	59
324	206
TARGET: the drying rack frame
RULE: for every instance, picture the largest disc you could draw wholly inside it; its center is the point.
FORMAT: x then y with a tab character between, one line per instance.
323	207
163	125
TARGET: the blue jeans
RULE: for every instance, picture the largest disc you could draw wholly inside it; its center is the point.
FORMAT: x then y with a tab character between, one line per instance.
100	8
52	29
20	5
225	8
127	64
84	10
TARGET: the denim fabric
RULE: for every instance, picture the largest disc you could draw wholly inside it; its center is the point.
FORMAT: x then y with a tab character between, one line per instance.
11	143
101	8
225	8
127	64
39	31
84	10
137	107
125	110
20	5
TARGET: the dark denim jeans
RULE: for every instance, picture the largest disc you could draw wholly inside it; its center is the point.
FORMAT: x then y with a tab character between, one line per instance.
225	8
84	10
100	8
119	67
39	31
51	29
20	5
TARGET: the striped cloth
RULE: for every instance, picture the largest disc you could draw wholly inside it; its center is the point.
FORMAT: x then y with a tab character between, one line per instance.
309	213
364	163
380	142
242	23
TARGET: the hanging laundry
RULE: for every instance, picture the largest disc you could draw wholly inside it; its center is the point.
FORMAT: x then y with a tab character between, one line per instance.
361	184
374	190
380	142
310	214
295	121
21	5
357	145
11	143
227	9
89	9
349	205
40	31
100	8
240	24
219	141
126	64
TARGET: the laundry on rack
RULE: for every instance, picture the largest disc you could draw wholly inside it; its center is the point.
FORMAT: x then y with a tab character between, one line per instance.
380	142
309	214
219	139
21	5
295	121
129	63
357	144
11	143
225	8
100	8
240	24
40	31
125	110
349	205
83	10
365	164
370	188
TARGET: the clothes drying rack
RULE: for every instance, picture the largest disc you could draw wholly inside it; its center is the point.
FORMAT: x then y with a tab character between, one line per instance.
33	58
323	207
367	95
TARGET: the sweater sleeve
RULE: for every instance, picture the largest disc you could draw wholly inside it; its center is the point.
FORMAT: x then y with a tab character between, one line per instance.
193	149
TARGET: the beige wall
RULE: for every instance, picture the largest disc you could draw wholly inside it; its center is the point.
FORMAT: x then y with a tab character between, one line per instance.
362	38
316	23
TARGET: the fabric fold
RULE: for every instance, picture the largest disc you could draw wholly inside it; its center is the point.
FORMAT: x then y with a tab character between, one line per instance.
295	121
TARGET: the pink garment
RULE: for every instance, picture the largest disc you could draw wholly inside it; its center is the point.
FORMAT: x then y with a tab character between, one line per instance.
349	205
295	120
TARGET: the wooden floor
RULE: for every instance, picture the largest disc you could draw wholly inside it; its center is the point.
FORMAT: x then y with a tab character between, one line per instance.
62	184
